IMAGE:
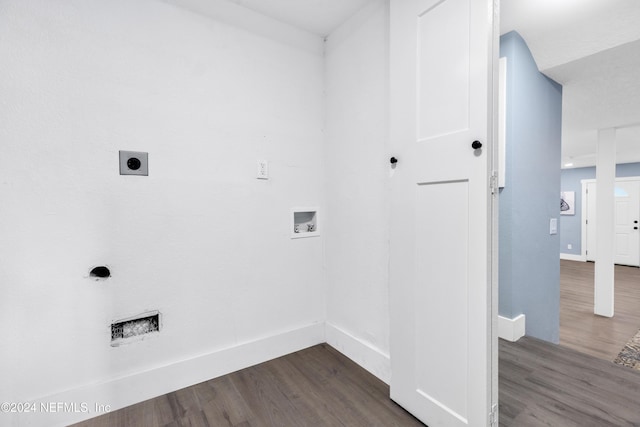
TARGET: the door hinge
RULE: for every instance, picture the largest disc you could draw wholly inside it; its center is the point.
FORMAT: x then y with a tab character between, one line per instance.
493	416
493	182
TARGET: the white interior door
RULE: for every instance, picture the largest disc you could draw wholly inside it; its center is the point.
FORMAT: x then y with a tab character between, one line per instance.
627	215
627	212
440	273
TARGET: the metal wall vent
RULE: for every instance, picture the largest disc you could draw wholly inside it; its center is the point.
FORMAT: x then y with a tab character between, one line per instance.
127	329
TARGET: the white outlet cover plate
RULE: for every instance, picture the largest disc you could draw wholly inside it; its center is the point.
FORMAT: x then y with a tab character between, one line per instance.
263	169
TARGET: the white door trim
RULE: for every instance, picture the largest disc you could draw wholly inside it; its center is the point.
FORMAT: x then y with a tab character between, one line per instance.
583	222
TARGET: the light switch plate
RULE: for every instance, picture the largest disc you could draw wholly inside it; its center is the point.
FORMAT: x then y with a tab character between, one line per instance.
134	163
553	226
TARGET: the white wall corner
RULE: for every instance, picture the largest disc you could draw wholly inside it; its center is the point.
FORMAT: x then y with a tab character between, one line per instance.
364	354
511	329
128	390
235	14
573	257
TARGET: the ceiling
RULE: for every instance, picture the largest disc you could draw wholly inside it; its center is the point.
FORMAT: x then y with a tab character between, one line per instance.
591	47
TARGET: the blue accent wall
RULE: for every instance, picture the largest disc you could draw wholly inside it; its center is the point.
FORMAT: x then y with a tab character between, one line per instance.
571	225
529	255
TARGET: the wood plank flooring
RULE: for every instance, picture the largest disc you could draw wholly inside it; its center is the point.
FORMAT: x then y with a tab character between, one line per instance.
313	387
582	330
542	384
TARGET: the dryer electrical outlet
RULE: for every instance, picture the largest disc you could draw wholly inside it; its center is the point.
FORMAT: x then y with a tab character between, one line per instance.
134	163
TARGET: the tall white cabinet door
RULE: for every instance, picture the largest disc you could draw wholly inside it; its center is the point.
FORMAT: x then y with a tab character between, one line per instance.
441	70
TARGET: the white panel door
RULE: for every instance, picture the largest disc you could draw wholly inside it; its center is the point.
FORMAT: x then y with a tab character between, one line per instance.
627	243
440	273
627	215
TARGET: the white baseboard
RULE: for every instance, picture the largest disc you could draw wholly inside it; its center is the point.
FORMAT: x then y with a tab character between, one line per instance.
128	390
573	257
511	329
369	357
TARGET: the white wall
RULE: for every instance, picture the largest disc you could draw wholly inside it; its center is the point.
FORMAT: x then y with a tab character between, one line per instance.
357	183
200	239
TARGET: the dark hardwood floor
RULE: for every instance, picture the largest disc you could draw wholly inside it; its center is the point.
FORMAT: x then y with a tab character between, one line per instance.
582	330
